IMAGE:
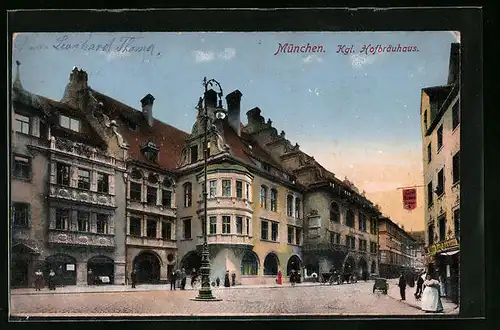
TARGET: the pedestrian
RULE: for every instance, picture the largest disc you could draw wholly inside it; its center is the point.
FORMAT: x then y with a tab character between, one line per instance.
52	277
402	286
133	277
292	277
183	279
420	283
90	277
217	281
226	280
38	280
173	278
279	281
233	279
431	300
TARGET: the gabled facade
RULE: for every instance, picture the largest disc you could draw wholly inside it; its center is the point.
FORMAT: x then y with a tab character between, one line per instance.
440	122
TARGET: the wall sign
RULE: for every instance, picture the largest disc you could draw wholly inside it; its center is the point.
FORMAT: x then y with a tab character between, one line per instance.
445	245
70	267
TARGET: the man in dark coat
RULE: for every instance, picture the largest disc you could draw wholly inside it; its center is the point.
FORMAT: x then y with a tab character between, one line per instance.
233	279
420	284
173	279
402	286
133	277
227	284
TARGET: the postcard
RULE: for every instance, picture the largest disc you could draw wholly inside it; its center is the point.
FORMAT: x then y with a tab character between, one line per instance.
235	173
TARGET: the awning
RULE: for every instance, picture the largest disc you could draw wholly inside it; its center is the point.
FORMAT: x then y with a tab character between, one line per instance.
449	253
23	248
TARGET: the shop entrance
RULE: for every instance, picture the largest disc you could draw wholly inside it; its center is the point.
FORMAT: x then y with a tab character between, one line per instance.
147	265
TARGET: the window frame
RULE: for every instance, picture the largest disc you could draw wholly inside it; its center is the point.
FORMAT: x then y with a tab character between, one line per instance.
84	182
132	219
275	233
263	197
264	228
439	135
18	170
166	198
100	183
455	115
212	188
21	208
18	119
150	193
133	192
60	179
226	224
66	218
80	220
212	225
105	221
239	225
153	229
186	234
239	189
166	230
226	188
188	194
289	205
456	167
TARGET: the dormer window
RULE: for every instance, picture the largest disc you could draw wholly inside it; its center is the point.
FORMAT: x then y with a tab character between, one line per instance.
194	154
150	151
69	123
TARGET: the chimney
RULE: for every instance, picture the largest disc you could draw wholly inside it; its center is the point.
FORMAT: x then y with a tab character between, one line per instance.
17	81
147	108
255	120
211	98
454	66
233	110
76	88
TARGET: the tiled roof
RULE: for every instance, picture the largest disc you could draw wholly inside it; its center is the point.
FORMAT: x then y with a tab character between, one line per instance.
168	139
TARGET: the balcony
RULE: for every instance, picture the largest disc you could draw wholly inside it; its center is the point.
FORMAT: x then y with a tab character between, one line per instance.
157	243
81	196
225	203
227	239
80	150
149	208
71	238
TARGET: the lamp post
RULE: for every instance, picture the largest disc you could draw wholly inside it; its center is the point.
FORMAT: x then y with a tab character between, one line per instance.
205	292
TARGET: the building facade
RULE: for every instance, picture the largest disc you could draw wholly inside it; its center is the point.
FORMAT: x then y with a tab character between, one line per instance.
440	113
397	249
123	191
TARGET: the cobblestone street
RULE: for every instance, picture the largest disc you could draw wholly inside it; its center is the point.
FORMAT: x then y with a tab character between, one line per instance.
347	299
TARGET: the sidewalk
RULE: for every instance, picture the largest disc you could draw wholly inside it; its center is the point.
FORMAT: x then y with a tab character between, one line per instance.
448	306
139	288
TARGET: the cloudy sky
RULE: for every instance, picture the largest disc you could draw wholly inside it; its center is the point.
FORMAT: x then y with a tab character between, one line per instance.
357	114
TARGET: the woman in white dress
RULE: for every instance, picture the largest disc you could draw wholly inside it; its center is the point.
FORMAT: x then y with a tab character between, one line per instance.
431	300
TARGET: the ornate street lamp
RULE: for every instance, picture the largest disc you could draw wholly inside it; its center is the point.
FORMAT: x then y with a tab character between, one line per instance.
205	292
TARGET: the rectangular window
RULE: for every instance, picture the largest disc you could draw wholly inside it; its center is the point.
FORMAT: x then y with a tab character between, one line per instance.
20	214
429	152
439	137
62	219
83	179
186	228
135	226
442	228
102	223
429	194
239	189
151	195
289	205
274	231
62	175
213	189
194	154
297	208
290	235
248	227
166	198
298	234
430	233
247	191
456	223
226	224
188	194
274	200
213	225
350	242
456	167
226	188
21	168
69	123
455	114
22	124
239	225
83	221
151	228
264	230
102	183
166	230
135	191
440	186
263	197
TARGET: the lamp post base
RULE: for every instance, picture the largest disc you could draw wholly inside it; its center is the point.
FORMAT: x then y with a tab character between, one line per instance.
205	294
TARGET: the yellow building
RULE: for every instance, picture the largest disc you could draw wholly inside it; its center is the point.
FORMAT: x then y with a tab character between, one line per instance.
440	120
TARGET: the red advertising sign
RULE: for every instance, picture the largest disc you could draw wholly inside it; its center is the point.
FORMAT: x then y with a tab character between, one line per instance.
410	199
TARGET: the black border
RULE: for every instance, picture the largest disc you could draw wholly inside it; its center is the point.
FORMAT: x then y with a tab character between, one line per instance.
466	20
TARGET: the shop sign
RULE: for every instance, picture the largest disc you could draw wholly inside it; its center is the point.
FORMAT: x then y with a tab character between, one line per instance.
441	246
70	267
409	199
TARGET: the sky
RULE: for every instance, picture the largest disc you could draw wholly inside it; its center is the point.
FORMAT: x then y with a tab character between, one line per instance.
357	113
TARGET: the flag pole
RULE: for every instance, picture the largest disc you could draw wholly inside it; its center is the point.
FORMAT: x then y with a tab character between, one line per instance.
418	186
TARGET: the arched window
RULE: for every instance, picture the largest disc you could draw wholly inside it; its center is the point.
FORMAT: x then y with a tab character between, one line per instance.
263	197
274	200
249	264
298	207
188	192
334	212
153	178
349	221
167	183
136	174
289	205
